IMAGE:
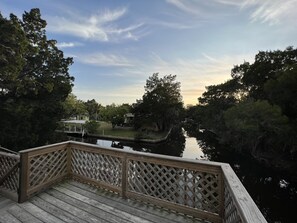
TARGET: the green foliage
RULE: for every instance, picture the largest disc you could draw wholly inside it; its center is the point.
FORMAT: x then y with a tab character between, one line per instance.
92	126
283	91
267	66
257	109
161	103
34	81
117	120
93	109
114	112
215	100
255	125
74	107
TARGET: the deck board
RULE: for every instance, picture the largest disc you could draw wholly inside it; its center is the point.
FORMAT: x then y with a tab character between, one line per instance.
150	212
53	210
76	202
5	202
22	214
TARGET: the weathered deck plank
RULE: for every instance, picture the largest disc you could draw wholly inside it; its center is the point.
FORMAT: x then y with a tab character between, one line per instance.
55	211
22	215
5	203
90	206
145	211
40	214
81	215
76	202
7	217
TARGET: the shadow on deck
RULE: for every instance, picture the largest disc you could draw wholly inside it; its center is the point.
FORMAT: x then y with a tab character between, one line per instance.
72	201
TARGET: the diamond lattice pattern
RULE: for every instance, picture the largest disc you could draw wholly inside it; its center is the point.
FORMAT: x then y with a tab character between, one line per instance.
104	168
45	167
190	188
231	214
12	181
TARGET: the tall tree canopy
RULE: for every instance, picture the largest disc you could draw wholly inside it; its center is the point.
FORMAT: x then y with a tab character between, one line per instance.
256	110
34	81
161	103
114	113
93	109
74	107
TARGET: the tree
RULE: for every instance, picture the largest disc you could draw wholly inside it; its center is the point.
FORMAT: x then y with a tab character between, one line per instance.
255	125
114	113
266	67
161	103
13	45
217	99
34	81
256	110
74	107
93	109
283	91
92	126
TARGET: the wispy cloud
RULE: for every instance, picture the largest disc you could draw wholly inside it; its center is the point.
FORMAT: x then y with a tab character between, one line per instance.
173	25
231	2
273	11
99	27
69	44
188	6
105	60
270	11
266	11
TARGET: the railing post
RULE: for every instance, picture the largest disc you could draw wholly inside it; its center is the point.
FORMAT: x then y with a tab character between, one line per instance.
24	177
124	175
69	168
222	195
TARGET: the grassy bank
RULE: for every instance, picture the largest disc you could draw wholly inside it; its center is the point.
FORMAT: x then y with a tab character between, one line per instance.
105	129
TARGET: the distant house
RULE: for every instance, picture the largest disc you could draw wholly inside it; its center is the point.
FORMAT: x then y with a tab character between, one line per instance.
75	124
128	119
80	117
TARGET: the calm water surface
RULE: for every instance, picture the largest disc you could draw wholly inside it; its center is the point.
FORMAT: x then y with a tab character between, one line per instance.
191	150
273	192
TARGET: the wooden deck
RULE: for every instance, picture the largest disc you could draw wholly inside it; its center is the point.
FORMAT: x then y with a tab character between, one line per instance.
72	201
201	189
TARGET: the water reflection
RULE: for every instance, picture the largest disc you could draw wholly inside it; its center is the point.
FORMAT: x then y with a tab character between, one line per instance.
178	144
174	146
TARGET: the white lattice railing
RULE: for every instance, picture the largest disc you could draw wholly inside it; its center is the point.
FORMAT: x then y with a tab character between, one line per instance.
203	189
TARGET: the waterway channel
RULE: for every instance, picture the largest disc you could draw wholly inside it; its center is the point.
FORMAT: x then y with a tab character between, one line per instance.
274	192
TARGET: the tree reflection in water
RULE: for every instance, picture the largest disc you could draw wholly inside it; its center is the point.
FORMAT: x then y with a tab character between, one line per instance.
174	145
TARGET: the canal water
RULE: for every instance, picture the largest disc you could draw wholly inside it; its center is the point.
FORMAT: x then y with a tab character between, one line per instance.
273	192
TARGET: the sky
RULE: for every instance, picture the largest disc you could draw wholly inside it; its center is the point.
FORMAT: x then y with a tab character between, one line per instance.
117	44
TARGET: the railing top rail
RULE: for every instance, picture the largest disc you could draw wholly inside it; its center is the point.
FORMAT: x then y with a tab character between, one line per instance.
43	147
11	155
127	153
150	155
7	150
246	207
